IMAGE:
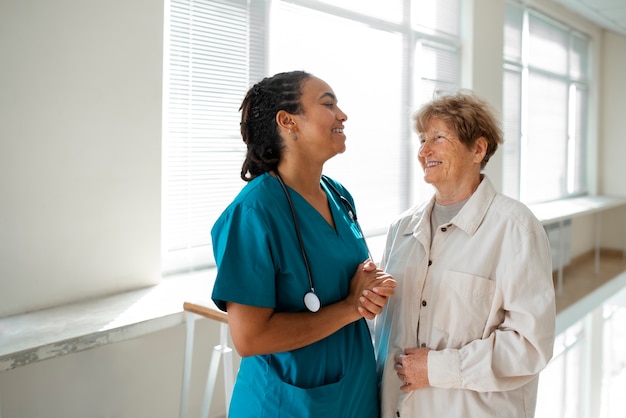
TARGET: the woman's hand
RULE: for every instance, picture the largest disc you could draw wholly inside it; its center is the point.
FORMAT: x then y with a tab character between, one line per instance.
371	287
412	368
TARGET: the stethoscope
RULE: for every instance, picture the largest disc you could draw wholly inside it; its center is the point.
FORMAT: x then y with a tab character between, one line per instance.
311	300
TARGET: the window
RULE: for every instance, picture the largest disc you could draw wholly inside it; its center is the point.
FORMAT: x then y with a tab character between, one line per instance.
381	64
544	106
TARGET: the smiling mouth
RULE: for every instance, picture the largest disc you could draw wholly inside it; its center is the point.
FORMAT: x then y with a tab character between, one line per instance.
433	163
338	130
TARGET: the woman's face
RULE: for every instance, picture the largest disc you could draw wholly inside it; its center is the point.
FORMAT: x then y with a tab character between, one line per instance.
447	163
320	127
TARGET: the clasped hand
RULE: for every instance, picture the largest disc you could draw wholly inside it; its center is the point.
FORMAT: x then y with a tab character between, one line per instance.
372	287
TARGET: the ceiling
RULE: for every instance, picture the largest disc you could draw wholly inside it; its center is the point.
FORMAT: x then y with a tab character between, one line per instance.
610	14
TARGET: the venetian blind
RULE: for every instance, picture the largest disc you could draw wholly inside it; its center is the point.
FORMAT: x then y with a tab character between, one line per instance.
208	77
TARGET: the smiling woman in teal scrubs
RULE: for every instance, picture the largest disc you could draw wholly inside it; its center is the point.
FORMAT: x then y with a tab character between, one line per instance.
295	362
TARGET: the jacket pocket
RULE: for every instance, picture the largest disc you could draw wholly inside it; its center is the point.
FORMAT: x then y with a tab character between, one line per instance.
464	302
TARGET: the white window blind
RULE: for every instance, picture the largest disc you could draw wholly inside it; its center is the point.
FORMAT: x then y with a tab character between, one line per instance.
437	18
544	107
389	10
218	49
208	77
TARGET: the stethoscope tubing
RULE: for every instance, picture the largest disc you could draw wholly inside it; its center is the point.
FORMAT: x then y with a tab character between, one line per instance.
298	233
311	300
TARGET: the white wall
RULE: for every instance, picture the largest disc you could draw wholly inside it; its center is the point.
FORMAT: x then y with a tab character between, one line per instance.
137	378
80	140
482	61
80	137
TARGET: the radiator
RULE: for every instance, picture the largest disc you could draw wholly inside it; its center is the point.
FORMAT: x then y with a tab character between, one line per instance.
560	237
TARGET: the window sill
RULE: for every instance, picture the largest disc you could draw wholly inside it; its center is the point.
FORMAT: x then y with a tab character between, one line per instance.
49	333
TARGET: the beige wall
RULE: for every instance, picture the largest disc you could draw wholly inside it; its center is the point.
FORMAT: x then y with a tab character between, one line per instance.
612	170
612	166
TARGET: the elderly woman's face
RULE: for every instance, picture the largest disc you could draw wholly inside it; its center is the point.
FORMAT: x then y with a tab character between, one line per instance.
446	161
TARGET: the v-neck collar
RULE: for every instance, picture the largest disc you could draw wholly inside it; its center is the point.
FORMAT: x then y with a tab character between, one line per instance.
331	201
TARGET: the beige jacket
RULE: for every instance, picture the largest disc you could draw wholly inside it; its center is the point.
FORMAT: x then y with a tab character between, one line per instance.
481	297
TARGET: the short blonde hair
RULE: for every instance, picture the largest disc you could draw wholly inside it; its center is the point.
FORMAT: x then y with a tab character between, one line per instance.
468	115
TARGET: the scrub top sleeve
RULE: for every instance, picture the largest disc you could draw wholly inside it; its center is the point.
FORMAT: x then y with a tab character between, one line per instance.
242	249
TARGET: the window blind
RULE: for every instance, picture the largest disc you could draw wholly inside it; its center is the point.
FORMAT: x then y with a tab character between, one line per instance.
208	77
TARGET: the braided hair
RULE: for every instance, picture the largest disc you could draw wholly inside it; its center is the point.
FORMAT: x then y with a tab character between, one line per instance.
259	129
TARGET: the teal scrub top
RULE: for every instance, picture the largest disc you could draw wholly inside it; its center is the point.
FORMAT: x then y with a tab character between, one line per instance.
259	263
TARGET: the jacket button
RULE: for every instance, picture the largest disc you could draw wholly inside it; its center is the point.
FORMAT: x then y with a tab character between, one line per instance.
424	303
430	262
423	344
397	413
444	229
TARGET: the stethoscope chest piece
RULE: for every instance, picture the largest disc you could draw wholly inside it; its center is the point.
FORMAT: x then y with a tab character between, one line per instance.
311	301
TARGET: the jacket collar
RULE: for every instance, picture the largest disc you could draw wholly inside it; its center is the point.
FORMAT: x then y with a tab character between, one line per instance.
469	217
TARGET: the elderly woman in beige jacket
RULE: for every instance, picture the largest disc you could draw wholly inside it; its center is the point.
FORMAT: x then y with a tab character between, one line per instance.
473	324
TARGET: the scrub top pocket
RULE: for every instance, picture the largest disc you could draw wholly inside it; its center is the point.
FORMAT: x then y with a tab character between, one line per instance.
292	401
